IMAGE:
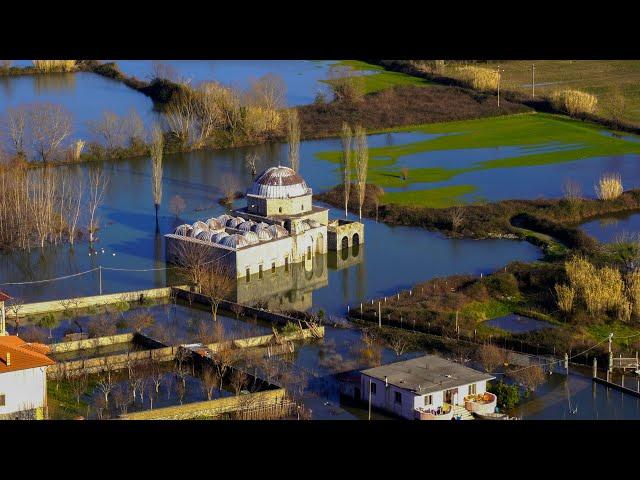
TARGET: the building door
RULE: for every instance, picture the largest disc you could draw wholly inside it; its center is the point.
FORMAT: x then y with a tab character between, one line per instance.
448	396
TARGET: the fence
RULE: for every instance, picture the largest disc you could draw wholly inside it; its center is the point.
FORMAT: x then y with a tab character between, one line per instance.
471	336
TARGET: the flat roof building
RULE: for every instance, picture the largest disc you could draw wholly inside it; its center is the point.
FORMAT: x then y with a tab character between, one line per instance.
428	384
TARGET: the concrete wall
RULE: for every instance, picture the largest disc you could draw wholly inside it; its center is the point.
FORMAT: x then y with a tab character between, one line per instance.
209	408
23	390
96	300
91	343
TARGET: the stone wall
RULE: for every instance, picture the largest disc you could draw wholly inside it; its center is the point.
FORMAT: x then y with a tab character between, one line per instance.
91	343
210	408
93	301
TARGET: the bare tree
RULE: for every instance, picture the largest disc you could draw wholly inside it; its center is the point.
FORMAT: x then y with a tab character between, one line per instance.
230	186
16	126
155	149
191	259
210	381
78	384
238	381
177	205
216	285
346	137
362	165
74	207
98	182
237	309
293	139
399	343
49	125
530	377
106	381
491	357
250	161
457	217
269	92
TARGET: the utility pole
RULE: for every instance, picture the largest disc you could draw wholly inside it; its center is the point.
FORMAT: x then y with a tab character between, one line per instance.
533	80
379	316
100	276
499	77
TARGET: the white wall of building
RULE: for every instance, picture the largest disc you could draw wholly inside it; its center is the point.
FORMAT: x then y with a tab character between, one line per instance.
23	390
384	398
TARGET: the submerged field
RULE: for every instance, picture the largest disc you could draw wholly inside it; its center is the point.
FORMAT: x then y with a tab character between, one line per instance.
447	163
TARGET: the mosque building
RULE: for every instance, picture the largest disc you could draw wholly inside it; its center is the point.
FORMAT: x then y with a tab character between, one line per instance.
278	227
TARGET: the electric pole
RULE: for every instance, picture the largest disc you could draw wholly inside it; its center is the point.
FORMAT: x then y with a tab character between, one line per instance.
533	80
499	78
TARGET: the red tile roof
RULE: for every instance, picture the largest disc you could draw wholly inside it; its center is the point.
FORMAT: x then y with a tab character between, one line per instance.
4	297
23	355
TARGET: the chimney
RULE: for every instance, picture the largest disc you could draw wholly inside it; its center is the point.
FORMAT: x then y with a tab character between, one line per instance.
8	359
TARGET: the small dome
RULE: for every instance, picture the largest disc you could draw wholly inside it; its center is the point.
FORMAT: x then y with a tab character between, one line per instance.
215	224
217	237
305	226
183	230
196	231
264	234
313	223
234	222
246	226
278	231
200	225
234	241
206	235
279	182
259	226
224	218
252	237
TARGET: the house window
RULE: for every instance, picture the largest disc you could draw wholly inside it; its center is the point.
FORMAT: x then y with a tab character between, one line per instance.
273	267
472	389
286	264
260	271
248	275
397	398
309	252
302	207
2	400
428	399
373	388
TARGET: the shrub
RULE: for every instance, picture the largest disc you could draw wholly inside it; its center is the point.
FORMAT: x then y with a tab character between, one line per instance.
565	295
290	328
479	78
609	186
574	102
54	65
633	291
508	396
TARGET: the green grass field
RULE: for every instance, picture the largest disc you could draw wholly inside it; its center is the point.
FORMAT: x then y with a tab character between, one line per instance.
571	139
382	79
599	77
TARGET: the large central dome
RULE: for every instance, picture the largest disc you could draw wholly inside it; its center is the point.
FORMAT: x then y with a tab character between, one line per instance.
279	182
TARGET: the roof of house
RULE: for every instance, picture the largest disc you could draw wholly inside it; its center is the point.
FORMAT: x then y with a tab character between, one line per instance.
427	374
4	297
23	355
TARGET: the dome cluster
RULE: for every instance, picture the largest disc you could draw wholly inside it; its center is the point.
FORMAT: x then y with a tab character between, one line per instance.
249	232
279	182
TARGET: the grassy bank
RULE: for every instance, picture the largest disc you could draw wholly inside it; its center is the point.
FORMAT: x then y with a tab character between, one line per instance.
536	139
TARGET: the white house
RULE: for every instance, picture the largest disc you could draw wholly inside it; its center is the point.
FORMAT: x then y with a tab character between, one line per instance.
23	378
426	387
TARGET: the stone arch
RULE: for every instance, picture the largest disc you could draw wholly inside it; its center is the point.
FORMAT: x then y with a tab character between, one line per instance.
344	243
355	239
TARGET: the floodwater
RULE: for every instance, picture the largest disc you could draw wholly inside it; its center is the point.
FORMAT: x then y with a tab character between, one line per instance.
391	258
301	77
577	397
86	95
513	323
609	229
